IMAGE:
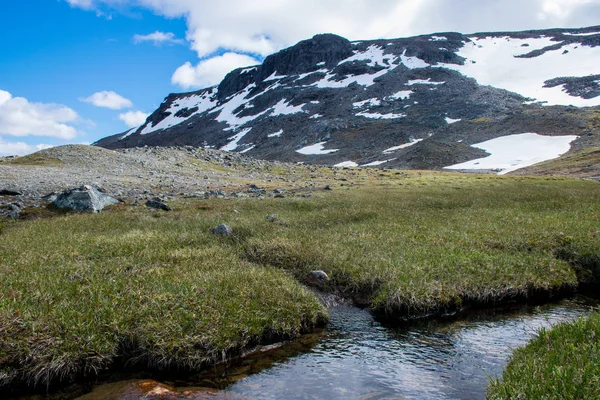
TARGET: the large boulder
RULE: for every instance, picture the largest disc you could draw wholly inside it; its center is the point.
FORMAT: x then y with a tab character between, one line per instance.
85	198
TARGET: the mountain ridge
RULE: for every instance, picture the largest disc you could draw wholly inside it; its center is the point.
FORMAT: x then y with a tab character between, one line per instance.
330	101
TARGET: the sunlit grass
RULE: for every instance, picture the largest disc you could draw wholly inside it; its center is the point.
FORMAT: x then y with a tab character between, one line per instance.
79	292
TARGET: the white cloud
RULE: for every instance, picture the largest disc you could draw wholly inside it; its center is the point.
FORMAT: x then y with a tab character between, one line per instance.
19	117
252	27
158	38
20	148
133	118
211	71
108	99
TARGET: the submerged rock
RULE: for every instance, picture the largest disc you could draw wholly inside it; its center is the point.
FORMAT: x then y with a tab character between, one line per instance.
223	230
317	279
86	199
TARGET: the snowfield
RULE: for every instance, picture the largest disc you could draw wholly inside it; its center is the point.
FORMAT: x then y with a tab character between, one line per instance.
512	152
495	61
315	149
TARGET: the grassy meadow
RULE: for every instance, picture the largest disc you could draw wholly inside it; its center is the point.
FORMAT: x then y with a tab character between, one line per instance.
560	363
81	293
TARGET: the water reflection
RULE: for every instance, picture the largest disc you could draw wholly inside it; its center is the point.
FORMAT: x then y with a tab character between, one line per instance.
358	358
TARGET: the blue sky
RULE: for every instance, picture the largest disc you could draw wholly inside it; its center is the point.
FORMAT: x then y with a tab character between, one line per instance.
55	54
59	54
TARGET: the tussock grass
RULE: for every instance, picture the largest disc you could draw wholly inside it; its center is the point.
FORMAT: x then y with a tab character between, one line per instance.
81	292
560	363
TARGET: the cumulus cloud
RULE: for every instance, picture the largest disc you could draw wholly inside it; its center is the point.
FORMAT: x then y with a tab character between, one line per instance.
20	148
158	38
108	99
261	28
133	118
19	117
264	27
210	71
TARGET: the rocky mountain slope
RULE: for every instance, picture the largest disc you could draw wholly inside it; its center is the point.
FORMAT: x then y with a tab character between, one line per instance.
430	101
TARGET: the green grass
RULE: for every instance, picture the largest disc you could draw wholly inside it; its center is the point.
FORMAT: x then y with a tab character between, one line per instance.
560	363
582	163
80	292
37	159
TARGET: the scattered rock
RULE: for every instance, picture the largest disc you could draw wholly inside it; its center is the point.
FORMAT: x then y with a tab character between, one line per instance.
51	197
11	210
158	205
223	230
317	279
327	187
272	217
86	199
6	192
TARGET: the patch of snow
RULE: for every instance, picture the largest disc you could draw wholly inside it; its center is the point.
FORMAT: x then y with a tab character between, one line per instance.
316	149
363	80
227	110
315	102
380	116
375	55
376	163
276	134
581	34
427	81
413	62
302	76
316	116
438	38
274	77
369	102
246	70
493	61
284	108
350	164
512	152
402	95
129	132
322	63
248	149
233	144
402	146
451	121
204	102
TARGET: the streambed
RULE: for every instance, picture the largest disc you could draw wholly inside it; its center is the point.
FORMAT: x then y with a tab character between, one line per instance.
356	357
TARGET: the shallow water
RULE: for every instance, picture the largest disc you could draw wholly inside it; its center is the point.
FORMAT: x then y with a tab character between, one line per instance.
358	358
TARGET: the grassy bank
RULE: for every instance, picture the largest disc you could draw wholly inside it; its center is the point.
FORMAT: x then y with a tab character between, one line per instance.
560	363
81	292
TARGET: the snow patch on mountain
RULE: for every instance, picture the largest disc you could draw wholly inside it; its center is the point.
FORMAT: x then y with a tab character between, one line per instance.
233	144
203	102
402	146
316	149
512	152
499	62
380	116
284	108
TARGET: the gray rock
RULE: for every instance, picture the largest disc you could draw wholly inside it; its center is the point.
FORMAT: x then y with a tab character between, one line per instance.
158	205
86	199
272	217
223	230
51	197
317	279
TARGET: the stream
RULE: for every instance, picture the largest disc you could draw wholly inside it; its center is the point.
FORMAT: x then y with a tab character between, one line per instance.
356	357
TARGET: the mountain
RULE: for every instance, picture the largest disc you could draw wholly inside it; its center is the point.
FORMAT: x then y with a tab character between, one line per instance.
429	101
